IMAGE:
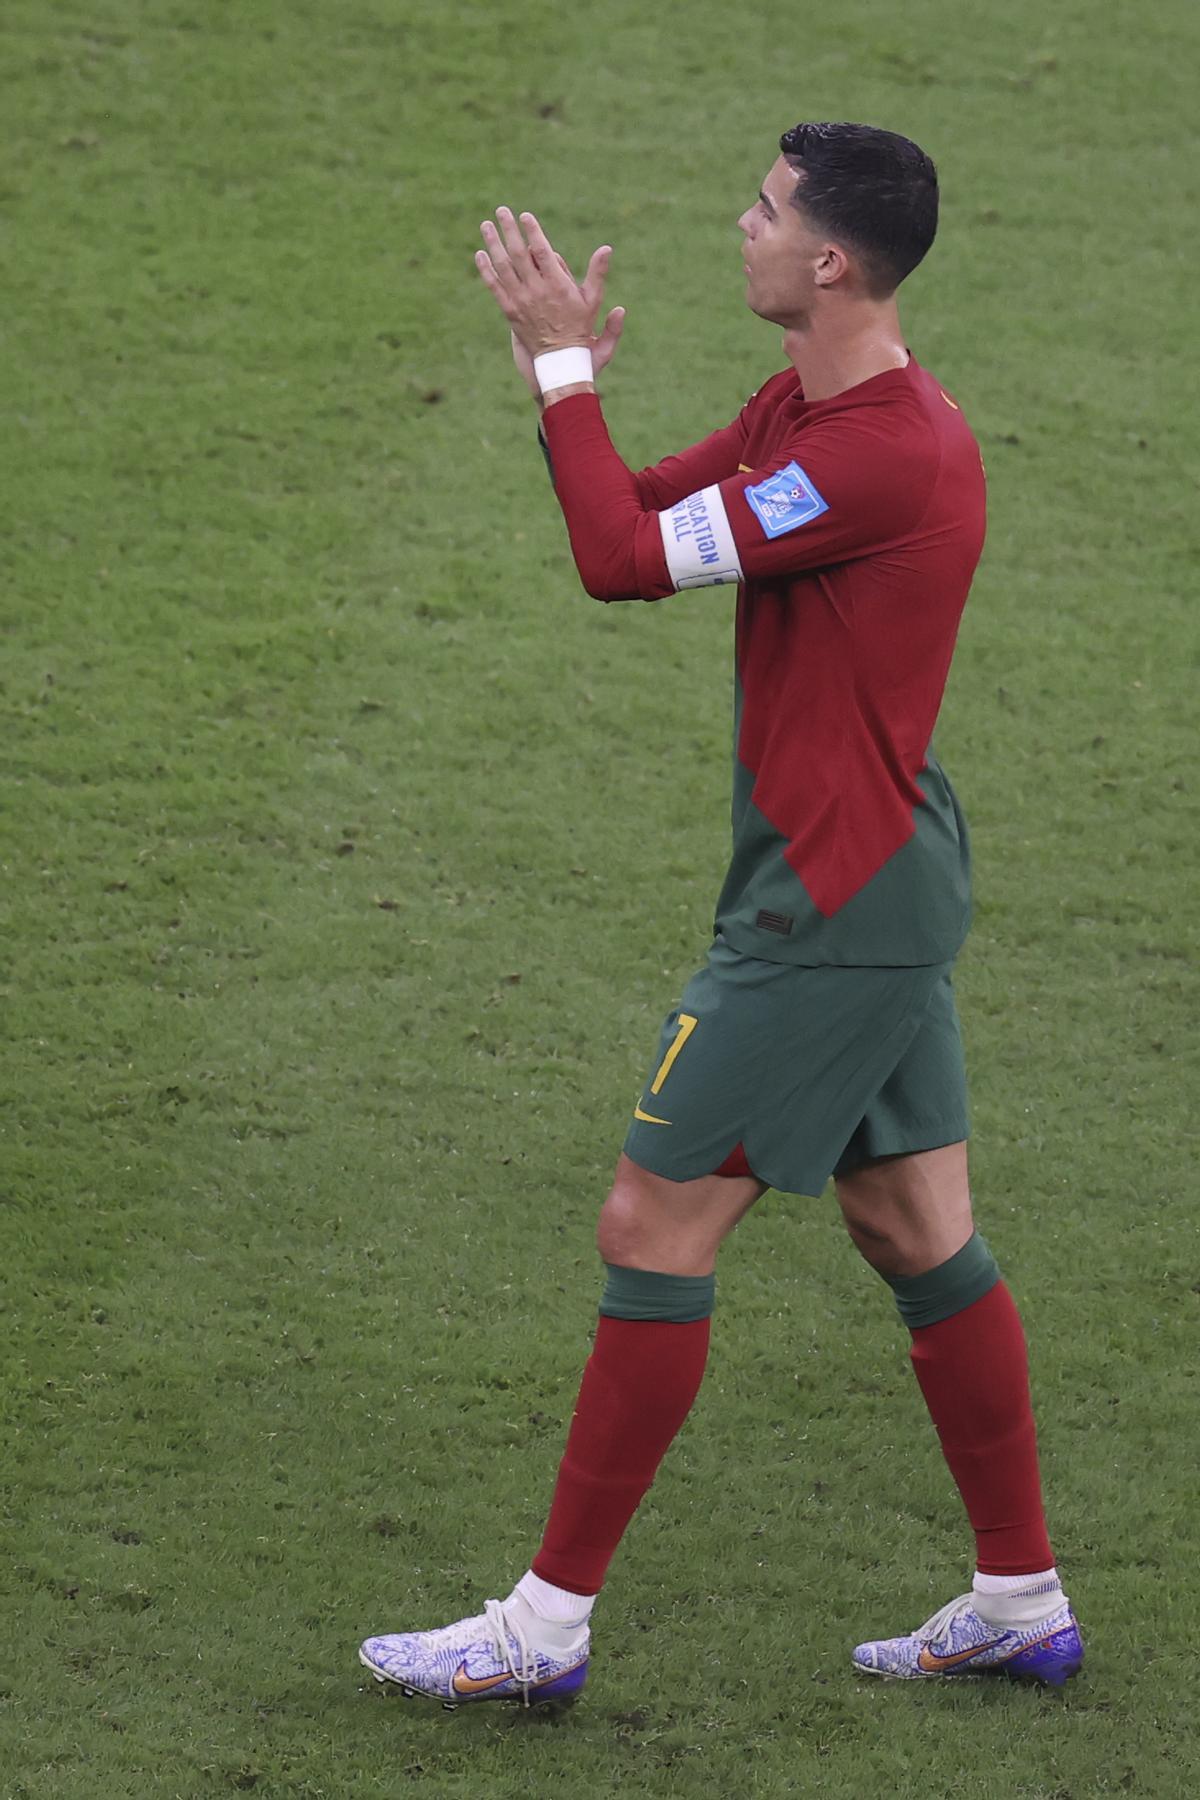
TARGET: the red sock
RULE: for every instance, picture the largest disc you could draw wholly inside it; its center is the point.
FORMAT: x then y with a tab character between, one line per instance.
638	1387
974	1375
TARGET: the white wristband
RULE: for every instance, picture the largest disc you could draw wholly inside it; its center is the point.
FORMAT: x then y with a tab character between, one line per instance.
563	368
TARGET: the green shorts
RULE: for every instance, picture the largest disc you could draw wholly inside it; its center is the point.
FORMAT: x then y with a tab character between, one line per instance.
800	1073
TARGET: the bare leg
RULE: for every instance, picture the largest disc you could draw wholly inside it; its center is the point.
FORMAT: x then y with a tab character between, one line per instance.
907	1214
677	1227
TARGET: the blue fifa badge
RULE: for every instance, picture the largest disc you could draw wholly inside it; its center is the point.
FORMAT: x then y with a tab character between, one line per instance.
785	500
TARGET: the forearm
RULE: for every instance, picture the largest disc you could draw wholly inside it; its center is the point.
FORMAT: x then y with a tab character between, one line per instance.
580	387
664	483
556	394
616	543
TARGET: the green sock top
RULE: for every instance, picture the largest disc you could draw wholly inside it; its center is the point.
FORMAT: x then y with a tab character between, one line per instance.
648	1294
954	1285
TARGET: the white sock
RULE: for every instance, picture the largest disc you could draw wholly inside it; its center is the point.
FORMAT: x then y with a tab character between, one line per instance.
553	1619
1008	1600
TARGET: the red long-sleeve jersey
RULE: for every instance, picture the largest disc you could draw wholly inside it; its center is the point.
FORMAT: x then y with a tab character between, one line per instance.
852	526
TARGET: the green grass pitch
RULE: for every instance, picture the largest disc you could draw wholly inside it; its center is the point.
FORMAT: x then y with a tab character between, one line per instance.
351	857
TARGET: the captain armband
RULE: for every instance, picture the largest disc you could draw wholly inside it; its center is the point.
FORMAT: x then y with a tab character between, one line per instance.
698	541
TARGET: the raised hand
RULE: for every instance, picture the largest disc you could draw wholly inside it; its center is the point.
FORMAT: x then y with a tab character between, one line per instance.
546	308
604	346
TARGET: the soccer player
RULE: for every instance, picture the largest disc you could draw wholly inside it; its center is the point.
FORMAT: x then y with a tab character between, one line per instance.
846	501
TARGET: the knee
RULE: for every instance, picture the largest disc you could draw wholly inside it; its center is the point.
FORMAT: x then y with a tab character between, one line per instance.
896	1241
670	1227
870	1215
882	1229
884	1249
619	1236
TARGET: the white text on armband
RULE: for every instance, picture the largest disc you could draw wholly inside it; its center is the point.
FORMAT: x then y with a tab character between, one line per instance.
698	541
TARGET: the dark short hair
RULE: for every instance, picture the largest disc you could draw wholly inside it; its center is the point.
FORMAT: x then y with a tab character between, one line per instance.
875	191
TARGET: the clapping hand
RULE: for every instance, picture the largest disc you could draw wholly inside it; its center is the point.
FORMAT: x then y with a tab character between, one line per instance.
546	308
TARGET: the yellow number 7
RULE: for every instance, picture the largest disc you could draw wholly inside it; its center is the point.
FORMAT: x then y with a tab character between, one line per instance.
687	1024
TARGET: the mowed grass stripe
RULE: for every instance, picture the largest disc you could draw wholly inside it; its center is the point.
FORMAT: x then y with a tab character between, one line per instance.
352	858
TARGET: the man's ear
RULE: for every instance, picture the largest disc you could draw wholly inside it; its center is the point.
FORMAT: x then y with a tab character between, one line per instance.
831	266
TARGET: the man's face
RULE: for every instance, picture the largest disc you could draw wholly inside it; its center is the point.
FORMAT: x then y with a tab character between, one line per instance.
781	252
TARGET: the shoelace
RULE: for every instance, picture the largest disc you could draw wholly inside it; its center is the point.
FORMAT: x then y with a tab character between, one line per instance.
941	1621
500	1627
